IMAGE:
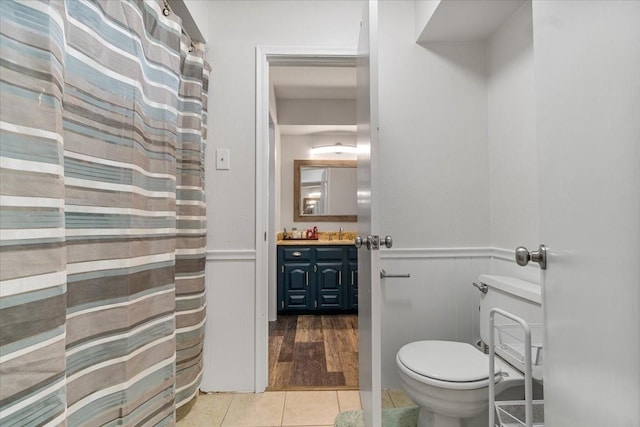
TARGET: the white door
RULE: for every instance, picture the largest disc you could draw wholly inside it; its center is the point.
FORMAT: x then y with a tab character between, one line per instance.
368	260
587	60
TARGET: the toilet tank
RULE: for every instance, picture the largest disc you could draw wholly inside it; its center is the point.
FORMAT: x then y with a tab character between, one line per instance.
522	299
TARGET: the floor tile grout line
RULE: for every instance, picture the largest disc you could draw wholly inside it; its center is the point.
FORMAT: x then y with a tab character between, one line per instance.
284	405
226	412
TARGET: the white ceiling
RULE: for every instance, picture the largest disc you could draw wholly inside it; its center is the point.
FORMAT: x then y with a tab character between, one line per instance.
333	130
314	82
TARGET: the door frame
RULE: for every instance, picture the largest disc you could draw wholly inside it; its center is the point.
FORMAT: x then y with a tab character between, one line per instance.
266	56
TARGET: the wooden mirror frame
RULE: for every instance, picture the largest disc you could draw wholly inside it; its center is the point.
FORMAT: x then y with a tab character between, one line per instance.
297	216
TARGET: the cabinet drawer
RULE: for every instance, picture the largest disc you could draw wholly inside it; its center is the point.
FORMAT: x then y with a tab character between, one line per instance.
353	253
336	253
296	254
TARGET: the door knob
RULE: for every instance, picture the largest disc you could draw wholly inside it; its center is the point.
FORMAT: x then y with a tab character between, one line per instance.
523	256
388	241
359	241
372	242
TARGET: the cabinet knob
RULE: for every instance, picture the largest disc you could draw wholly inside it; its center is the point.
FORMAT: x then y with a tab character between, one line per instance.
297	253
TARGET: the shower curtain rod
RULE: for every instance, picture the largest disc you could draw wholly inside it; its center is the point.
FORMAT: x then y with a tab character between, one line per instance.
189	26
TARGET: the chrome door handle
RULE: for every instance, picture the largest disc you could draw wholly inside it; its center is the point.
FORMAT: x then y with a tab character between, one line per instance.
385	275
523	256
372	242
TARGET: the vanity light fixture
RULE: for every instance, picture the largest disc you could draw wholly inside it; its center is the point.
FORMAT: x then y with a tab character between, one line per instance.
337	148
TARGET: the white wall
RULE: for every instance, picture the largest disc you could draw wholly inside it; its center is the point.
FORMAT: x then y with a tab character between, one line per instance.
233	29
199	11
435	182
433	137
513	168
343	189
423	9
317	112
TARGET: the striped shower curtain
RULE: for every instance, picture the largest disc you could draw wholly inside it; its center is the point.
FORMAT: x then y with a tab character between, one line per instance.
102	213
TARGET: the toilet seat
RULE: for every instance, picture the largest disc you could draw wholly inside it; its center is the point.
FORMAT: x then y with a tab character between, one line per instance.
446	364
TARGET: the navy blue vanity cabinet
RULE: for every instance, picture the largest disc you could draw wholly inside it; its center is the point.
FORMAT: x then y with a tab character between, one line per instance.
295	278
352	278
316	278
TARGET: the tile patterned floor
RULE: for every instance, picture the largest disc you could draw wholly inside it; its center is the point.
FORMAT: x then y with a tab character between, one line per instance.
280	408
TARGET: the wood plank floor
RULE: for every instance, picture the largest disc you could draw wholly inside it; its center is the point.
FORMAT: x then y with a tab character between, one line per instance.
308	352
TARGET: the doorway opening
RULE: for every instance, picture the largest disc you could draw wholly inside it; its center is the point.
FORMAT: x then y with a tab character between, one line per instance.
303	100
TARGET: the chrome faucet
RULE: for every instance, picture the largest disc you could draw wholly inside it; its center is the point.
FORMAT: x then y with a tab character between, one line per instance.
340	233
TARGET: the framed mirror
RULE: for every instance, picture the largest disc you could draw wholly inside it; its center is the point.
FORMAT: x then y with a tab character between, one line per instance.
324	191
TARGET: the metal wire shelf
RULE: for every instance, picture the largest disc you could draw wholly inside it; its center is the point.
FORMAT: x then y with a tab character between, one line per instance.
515	341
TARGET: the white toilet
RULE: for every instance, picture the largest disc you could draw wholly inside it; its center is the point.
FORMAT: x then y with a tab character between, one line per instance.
449	380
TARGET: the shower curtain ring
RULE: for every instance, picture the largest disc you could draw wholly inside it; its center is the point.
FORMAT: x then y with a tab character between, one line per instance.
166	11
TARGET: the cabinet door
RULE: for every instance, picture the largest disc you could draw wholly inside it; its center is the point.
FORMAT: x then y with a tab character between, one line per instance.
353	284
329	285
296	285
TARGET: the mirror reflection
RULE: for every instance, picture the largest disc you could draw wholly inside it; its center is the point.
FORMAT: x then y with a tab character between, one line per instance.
325	190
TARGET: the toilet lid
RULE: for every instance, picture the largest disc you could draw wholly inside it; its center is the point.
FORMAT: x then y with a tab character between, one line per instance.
446	361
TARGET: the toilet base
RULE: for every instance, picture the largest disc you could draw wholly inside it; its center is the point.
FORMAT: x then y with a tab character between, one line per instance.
427	418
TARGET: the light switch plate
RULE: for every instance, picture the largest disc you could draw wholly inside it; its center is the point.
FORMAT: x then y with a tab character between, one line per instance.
223	159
